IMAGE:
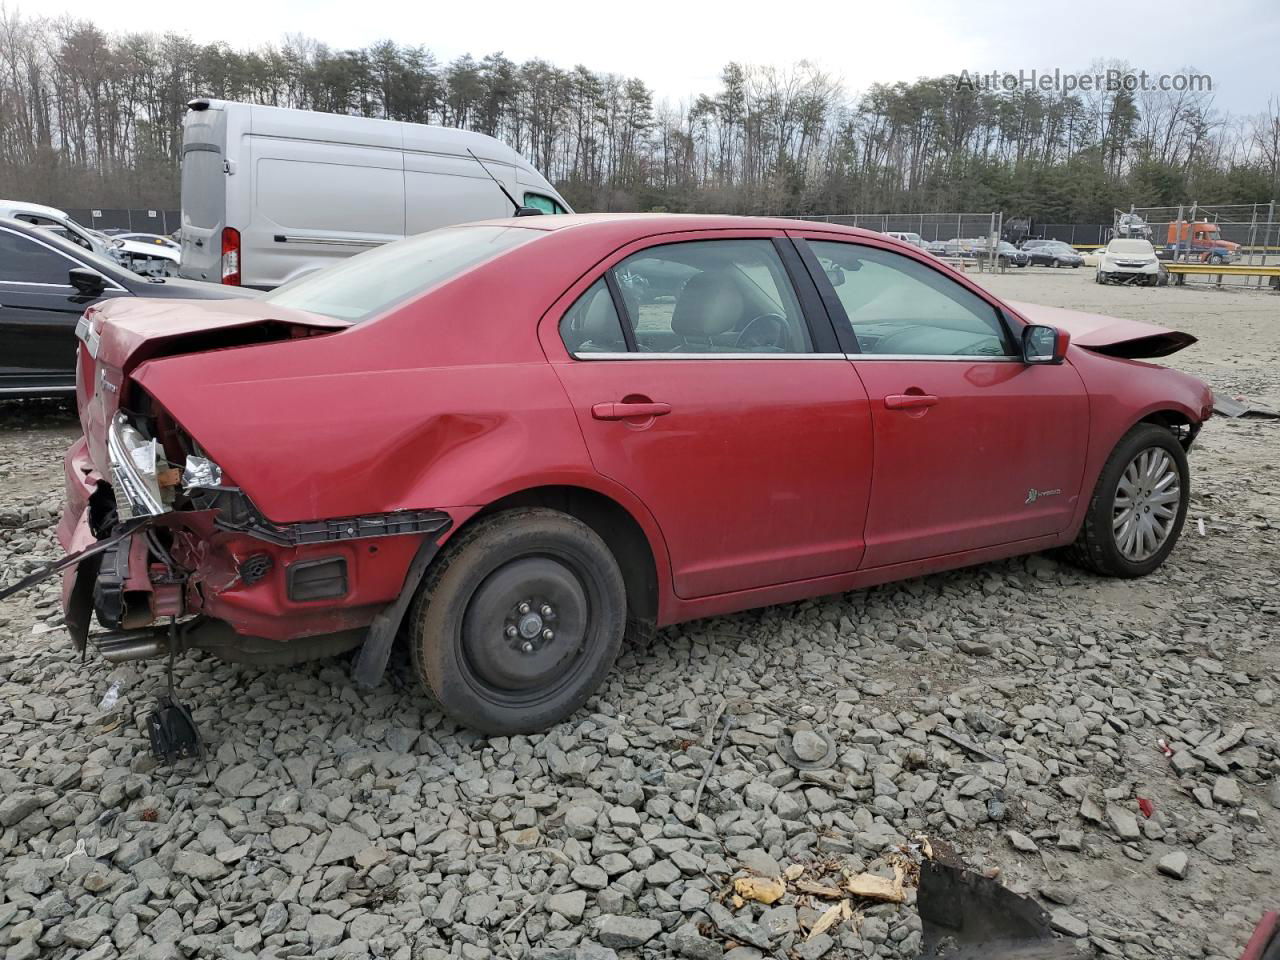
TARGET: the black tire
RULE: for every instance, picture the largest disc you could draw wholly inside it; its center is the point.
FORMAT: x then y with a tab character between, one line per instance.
469	601
1096	548
1215	259
1075	266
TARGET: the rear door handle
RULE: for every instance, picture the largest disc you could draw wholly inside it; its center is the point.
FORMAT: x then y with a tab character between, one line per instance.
618	410
909	401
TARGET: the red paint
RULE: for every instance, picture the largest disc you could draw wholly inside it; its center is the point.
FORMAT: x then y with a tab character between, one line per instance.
755	481
1146	806
1264	934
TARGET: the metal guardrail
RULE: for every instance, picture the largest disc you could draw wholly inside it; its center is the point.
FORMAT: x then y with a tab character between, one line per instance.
1180	271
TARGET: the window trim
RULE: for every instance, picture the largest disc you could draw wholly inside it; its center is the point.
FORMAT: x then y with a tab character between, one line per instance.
807	296
844	326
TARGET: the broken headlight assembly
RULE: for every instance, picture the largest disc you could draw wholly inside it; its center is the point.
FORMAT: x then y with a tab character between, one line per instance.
141	476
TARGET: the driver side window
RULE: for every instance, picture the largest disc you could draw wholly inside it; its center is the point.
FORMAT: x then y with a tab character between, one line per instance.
900	307
712	297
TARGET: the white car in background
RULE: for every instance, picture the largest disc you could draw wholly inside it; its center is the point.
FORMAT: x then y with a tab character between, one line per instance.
148	259
1128	260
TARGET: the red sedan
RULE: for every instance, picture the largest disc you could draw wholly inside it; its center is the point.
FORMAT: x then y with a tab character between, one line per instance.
514	442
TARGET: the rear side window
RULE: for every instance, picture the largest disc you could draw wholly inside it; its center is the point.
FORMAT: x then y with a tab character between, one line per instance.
373	282
592	324
543	203
712	296
900	307
25	261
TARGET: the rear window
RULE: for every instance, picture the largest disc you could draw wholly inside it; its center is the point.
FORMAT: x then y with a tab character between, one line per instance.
371	283
202	187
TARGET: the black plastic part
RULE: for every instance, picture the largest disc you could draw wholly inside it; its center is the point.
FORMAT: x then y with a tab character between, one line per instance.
371	661
323	579
173	732
821	328
108	585
255	568
236	512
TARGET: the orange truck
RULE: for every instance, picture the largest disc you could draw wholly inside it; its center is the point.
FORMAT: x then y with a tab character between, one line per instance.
1200	241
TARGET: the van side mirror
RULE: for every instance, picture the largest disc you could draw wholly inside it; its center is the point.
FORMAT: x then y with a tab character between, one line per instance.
1044	344
88	283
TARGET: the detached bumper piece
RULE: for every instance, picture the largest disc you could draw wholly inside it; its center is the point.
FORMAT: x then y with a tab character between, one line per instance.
173	732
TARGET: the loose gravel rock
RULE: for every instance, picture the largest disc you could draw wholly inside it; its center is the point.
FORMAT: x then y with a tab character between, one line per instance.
1012	711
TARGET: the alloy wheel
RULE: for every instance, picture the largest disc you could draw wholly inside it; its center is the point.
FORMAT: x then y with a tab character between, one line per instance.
1146	502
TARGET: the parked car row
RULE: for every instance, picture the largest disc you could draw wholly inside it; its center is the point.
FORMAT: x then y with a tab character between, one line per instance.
47	279
147	254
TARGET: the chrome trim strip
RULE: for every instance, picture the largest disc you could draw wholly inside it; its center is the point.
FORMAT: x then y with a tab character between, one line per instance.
336	241
964	358
5	391
707	356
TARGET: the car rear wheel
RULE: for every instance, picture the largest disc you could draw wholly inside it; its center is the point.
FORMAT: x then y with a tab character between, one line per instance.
519	620
1138	507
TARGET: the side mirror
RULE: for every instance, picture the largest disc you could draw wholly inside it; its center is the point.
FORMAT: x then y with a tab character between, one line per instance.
88	283
1044	344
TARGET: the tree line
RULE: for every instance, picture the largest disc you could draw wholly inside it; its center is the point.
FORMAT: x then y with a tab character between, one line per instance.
89	118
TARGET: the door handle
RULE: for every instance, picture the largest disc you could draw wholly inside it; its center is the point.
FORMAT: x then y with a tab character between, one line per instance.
619	410
909	401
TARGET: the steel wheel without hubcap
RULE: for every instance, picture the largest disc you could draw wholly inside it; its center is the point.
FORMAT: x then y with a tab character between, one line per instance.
524	628
1146	504
518	620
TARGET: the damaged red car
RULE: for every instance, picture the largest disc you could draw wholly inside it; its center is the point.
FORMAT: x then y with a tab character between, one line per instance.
513	443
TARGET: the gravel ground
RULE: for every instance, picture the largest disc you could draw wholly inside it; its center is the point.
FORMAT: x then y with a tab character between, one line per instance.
330	821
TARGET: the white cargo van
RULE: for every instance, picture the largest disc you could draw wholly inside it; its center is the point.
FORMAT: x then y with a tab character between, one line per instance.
270	194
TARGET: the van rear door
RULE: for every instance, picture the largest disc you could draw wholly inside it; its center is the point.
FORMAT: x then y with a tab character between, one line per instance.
204	193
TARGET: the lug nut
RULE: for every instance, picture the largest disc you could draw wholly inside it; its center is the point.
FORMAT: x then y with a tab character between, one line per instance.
547	634
512	631
546	610
527	647
523	608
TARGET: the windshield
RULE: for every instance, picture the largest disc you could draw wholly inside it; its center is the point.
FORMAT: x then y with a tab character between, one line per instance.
1138	247
372	282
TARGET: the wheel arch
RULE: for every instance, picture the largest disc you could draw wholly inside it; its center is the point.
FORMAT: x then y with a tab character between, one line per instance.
639	557
1176	421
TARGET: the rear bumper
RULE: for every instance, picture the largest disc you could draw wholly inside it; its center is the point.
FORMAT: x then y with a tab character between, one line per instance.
261	589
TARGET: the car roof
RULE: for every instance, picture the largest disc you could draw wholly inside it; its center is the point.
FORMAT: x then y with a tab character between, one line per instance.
9	207
624	227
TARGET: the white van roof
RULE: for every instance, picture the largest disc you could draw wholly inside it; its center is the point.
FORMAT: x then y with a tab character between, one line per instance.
9	207
363	131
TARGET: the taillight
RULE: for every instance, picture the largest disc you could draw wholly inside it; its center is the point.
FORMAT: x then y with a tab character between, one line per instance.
231	256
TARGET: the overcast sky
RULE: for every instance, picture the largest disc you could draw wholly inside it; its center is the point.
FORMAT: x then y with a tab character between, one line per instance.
678	46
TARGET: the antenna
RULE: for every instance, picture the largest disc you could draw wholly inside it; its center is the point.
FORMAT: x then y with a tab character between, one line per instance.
520	211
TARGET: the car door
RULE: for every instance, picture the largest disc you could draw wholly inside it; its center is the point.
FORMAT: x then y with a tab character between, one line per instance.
702	385
38	313
973	448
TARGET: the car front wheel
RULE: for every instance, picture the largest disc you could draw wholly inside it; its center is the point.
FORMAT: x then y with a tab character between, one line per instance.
1138	506
519	620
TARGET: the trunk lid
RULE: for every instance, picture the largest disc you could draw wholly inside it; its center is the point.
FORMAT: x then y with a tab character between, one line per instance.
1130	339
117	335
